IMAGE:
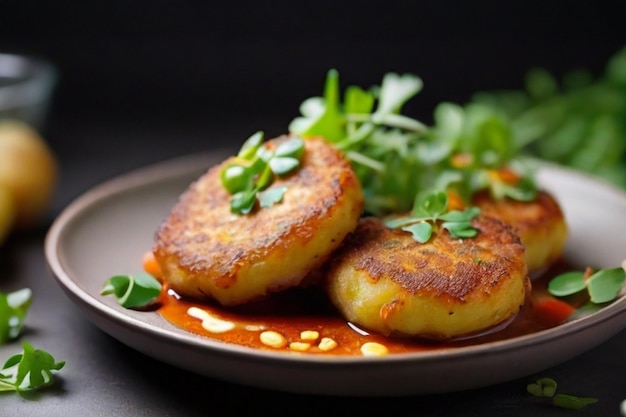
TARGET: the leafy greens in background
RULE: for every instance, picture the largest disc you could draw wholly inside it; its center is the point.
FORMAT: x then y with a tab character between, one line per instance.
396	156
578	121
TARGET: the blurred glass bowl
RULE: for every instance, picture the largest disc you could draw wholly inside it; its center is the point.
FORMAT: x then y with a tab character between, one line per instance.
26	86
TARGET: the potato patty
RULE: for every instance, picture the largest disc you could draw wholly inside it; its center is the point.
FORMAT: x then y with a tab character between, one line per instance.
540	225
207	252
385	281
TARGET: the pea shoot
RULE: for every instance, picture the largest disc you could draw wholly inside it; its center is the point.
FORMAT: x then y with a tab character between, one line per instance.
602	286
248	175
14	307
133	291
547	388
430	209
30	370
577	121
396	156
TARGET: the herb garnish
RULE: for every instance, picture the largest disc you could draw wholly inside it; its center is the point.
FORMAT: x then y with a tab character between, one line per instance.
32	369
13	309
602	286
429	208
396	156
254	169
576	120
546	388
133	291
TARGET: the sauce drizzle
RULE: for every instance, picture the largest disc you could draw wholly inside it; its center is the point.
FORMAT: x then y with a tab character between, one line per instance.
303	321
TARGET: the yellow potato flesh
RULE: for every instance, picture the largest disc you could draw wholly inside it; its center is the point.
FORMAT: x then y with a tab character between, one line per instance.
28	170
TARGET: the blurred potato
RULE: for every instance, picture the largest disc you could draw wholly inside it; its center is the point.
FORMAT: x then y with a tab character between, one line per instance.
7	213
28	171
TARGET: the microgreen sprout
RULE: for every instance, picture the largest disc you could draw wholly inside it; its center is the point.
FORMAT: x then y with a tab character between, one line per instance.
547	388
13	309
32	369
133	291
430	210
248	176
602	286
395	155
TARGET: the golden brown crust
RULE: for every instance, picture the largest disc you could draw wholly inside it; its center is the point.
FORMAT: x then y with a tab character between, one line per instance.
379	273
206	251
540	224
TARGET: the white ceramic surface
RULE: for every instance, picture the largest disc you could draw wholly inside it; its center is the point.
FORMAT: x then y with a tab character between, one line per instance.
106	230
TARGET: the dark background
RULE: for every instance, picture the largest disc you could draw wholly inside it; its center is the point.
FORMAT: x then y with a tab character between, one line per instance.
165	64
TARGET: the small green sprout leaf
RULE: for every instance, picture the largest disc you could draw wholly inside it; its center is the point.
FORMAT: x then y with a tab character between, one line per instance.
421	231
243	202
572	402
271	196
602	286
605	285
429	208
292	147
546	388
133	291
430	204
13	309
283	165
254	170
568	283
251	146
32	369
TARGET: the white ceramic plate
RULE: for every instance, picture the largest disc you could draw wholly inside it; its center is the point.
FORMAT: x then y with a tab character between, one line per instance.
106	230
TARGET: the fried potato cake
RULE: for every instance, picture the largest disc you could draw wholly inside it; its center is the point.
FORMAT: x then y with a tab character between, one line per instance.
385	281
540	225
207	252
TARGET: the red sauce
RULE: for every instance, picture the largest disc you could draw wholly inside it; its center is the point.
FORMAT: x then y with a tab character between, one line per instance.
298	310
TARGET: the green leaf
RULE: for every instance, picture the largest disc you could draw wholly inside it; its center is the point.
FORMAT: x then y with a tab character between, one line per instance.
323	117
395	91
460	230
572	402
283	165
543	387
14	307
605	285
421	231
133	291
430	204
460	216
567	283
271	196
358	101
32	369
292	147
243	201
251	146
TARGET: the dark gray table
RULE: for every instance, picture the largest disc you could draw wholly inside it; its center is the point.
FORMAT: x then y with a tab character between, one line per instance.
103	377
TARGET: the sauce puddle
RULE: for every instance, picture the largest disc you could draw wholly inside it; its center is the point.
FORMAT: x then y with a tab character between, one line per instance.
302	320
